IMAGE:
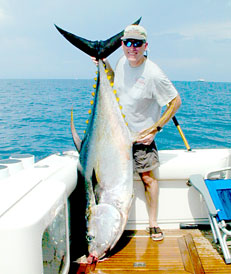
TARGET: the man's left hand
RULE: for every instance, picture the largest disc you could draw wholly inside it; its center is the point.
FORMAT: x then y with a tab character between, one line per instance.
146	140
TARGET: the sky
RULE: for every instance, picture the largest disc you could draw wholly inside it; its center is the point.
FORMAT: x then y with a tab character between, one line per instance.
189	40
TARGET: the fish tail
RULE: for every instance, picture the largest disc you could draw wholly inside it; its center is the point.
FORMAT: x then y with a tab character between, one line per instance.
98	49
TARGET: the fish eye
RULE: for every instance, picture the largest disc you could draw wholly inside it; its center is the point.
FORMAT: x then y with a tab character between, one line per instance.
90	238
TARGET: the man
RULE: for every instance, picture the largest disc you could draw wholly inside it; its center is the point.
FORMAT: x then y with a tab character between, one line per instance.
143	90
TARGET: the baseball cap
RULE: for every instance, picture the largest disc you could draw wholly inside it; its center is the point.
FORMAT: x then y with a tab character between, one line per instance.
135	32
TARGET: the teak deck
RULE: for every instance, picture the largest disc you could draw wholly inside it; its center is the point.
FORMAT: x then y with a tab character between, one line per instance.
181	251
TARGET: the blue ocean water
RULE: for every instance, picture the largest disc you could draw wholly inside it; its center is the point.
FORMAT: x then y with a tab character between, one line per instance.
35	116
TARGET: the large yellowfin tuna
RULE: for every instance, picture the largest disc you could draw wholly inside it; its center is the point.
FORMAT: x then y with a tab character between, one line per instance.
101	202
106	165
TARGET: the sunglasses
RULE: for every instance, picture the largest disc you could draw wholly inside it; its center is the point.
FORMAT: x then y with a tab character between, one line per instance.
136	43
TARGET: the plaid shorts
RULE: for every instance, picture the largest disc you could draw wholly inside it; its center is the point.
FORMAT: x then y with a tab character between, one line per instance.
145	157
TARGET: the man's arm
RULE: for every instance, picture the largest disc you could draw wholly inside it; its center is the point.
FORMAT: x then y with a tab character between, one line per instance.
146	136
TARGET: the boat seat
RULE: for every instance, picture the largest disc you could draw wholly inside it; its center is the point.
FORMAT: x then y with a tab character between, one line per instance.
216	191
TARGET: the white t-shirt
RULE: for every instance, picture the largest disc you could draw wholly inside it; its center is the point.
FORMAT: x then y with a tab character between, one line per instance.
142	92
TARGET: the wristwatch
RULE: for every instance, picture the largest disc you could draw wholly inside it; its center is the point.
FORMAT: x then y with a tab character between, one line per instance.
159	129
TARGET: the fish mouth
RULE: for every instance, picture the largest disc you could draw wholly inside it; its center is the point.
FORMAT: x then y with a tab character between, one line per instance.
105	225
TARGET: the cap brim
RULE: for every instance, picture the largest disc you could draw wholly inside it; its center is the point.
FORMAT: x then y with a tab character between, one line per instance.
133	37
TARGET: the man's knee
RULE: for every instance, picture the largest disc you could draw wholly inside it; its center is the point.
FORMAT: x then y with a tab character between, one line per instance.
148	178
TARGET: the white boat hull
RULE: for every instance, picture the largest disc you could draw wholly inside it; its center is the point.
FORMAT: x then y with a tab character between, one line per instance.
34	233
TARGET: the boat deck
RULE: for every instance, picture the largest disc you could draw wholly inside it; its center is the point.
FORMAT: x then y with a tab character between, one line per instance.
181	251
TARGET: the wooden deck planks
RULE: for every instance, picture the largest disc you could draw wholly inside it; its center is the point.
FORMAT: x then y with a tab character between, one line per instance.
141	254
189	254
136	252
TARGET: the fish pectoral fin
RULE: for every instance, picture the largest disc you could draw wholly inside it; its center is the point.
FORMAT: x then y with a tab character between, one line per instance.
95	186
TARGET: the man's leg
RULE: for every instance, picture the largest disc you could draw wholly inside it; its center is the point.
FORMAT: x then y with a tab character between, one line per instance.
152	193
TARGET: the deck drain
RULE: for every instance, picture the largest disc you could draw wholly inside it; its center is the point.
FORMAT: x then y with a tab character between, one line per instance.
139	264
